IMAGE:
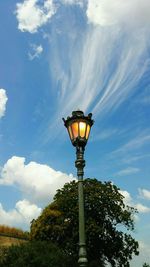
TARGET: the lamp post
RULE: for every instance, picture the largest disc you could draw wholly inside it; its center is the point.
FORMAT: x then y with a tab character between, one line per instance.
78	126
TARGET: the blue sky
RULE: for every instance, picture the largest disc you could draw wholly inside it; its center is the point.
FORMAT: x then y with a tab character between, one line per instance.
58	56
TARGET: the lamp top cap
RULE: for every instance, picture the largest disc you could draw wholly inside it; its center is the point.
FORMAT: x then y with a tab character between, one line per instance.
78	114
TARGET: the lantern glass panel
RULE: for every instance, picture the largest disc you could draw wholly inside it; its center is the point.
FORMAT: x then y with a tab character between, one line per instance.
87	131
82	127
75	129
70	132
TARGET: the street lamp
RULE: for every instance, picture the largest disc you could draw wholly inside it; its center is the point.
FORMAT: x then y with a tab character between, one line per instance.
78	126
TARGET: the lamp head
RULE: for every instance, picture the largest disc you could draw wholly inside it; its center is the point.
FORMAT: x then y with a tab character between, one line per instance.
79	126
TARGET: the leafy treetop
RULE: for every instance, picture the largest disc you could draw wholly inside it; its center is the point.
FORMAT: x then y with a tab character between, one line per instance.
105	212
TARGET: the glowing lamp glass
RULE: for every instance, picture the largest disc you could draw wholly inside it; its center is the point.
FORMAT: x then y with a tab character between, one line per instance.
82	129
87	131
79	127
70	132
75	129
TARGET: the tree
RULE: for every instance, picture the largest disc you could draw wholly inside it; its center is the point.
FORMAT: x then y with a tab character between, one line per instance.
105	213
33	254
146	265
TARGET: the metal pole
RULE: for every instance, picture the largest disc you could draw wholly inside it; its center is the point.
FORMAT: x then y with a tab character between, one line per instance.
80	164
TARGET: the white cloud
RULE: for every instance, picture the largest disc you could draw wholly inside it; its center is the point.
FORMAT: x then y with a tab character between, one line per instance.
36	51
141	208
9	217
23	213
144	193
110	12
37	182
144	256
27	210
128	171
3	101
31	15
127	197
99	12
128	200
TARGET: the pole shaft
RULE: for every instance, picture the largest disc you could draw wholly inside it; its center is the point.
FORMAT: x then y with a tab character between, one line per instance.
80	164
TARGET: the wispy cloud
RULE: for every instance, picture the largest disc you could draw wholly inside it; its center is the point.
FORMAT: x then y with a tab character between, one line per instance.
106	62
97	83
146	100
106	134
73	2
100	68
3	101
128	171
132	151
135	143
144	97
106	88
36	51
134	158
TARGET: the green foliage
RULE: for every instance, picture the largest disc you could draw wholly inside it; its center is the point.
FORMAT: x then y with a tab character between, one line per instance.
105	211
146	265
34	254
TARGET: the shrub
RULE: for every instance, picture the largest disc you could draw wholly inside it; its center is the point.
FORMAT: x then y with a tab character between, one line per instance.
33	254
